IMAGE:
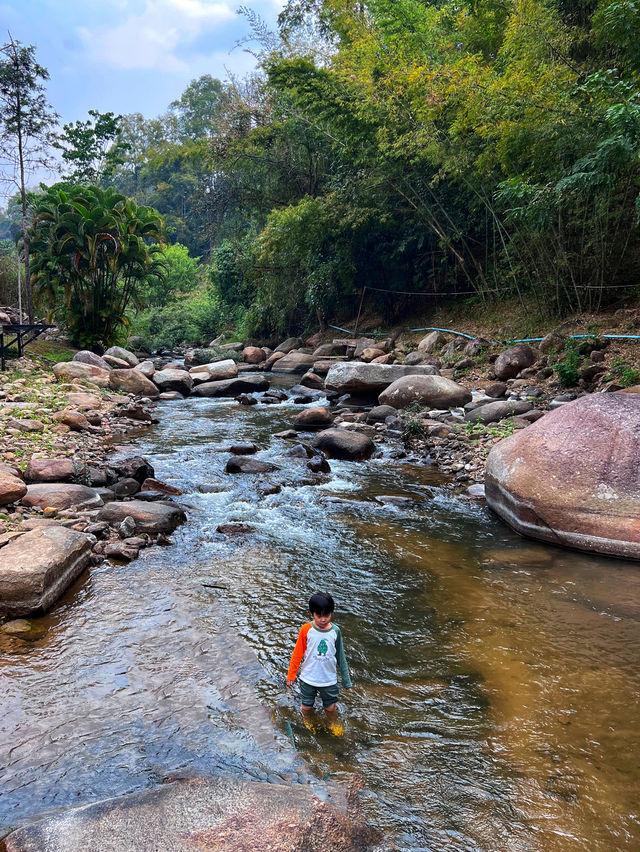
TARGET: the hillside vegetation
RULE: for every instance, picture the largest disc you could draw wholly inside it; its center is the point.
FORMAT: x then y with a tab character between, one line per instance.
484	150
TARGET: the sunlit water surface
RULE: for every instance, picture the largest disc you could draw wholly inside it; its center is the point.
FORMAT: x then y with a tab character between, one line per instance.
496	681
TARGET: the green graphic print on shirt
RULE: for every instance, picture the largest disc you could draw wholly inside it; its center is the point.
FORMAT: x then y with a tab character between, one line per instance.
322	648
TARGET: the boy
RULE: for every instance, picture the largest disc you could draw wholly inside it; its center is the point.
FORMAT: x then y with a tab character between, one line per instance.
317	650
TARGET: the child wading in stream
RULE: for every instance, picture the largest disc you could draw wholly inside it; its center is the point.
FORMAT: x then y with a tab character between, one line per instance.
318	649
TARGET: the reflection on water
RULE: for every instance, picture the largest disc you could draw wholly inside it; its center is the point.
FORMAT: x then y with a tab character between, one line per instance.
496	681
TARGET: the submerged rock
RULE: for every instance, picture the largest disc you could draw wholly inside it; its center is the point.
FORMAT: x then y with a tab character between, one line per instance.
246	464
203	814
38	567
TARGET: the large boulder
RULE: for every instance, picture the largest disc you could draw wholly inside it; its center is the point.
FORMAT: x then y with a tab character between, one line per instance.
123	355
494	411
67	371
174	380
233	387
216	371
428	391
37	567
149	517
342	444
86	357
510	362
571	478
371	379
132	381
61	495
287	345
294	362
11	488
50	470
213	814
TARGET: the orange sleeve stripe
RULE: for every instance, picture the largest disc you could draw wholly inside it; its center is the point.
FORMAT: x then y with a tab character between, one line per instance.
298	652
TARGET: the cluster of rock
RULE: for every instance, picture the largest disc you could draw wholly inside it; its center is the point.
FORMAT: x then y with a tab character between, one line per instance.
70	516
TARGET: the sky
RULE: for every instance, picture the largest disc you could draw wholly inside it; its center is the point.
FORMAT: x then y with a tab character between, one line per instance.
126	56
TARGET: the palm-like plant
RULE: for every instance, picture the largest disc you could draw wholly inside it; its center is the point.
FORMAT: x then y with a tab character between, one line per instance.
93	251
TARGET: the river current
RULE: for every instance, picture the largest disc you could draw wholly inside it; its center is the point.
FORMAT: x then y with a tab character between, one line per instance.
496	688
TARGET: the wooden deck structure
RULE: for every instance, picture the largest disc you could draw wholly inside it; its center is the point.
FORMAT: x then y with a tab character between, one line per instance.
20	334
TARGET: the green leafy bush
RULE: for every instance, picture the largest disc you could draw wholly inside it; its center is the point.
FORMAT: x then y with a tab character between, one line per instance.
622	373
568	369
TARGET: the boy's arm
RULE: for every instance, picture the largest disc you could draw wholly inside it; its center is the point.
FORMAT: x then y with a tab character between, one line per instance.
298	653
342	661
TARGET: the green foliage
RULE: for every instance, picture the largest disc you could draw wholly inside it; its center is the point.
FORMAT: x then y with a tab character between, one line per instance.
94	253
92	149
568	369
189	319
480	430
622	373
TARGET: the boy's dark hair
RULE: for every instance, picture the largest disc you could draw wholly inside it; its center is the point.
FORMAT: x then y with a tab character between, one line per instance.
321	603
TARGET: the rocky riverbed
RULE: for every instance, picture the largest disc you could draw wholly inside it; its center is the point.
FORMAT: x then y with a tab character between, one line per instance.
252	477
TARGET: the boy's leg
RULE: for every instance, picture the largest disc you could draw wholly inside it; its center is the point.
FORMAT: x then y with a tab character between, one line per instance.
329	695
307	698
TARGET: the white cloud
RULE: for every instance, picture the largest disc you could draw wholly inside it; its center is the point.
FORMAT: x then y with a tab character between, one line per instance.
150	39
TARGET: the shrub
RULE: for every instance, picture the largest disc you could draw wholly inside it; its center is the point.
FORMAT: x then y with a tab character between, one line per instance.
568	370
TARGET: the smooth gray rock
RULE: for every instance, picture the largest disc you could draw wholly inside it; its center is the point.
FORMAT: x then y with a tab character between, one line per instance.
174	380
38	567
232	387
123	355
494	411
371	379
86	357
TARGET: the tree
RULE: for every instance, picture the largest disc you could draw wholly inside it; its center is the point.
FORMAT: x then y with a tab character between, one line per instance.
93	148
199	107
26	129
95	252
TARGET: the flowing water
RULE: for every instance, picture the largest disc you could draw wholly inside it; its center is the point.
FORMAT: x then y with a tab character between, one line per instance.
496	681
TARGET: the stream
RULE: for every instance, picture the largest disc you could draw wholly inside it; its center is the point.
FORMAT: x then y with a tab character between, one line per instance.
496	681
